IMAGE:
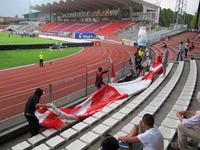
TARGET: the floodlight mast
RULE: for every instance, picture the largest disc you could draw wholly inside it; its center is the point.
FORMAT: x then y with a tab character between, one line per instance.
198	12
30	10
180	9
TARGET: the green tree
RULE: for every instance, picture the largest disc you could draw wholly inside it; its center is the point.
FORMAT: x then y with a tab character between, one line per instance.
167	18
194	20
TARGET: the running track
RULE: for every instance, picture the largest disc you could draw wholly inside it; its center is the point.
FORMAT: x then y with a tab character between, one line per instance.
16	85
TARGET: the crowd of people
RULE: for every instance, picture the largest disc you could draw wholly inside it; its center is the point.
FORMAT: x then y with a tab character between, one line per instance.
184	48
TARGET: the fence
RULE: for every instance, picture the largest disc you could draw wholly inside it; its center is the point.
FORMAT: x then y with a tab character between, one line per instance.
172	31
63	92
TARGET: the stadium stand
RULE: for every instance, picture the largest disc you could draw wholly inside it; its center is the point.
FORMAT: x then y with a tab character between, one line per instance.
94	133
93	27
3	27
113	28
163	98
170	123
75	27
49	26
62	27
90	130
24	26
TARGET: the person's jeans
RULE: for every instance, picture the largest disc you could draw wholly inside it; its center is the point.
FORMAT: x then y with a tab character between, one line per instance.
34	125
179	56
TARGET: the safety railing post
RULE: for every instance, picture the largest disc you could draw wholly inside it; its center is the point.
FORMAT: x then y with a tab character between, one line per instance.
123	69
108	78
86	80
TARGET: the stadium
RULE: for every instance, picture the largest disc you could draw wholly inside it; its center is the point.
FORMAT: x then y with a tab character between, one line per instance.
75	39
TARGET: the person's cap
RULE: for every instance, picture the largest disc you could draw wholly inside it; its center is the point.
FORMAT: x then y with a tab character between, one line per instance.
109	143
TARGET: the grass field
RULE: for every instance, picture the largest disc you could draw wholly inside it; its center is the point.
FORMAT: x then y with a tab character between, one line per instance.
17	39
14	58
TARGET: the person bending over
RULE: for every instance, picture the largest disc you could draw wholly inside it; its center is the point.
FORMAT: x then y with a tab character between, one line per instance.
29	112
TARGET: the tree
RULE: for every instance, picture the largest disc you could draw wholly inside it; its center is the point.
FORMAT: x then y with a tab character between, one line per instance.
167	18
194	20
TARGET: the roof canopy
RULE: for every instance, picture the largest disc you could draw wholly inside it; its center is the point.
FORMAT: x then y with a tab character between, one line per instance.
81	5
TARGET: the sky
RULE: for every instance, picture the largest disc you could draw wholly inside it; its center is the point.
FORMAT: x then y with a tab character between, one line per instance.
20	7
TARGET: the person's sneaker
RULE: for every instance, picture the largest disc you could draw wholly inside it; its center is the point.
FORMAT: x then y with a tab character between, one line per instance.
123	145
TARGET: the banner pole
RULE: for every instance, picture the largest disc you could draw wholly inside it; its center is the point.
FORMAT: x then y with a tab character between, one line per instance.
108	80
86	80
50	93
123	70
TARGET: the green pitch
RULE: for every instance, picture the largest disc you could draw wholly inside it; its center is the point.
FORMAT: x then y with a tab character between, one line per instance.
14	58
17	39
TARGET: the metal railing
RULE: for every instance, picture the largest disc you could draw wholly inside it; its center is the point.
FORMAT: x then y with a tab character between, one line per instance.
172	31
140	16
60	92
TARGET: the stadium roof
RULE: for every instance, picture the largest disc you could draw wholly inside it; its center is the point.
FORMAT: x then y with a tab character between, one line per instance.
80	5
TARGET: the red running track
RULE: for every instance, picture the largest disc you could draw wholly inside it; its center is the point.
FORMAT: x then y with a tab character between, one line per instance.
16	85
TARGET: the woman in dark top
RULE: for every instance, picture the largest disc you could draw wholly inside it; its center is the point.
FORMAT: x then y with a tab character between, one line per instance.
30	108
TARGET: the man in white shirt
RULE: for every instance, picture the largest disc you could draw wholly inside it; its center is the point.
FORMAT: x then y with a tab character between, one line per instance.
144	134
189	127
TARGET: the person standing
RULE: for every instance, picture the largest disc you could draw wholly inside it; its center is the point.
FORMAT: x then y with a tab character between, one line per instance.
165	56
99	77
187	47
148	57
138	64
29	112
181	51
191	46
41	57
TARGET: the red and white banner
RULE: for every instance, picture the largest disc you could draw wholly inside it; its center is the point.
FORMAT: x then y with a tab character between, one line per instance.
105	96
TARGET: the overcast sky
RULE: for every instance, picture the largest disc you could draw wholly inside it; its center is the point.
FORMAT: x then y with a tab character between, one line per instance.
20	7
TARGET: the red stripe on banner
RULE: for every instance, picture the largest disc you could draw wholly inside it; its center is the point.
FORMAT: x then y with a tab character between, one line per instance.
101	98
52	121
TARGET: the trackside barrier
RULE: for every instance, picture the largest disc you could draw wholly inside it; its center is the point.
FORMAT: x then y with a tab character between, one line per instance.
62	92
153	39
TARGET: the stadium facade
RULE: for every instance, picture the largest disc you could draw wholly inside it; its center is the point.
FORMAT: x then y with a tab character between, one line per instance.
97	10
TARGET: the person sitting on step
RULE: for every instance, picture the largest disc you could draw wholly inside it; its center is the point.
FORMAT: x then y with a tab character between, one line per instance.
144	136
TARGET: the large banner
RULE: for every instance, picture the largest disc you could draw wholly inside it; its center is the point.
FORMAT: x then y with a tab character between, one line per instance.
103	97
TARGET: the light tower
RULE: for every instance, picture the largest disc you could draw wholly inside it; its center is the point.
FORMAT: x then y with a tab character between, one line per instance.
158	3
30	10
180	9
